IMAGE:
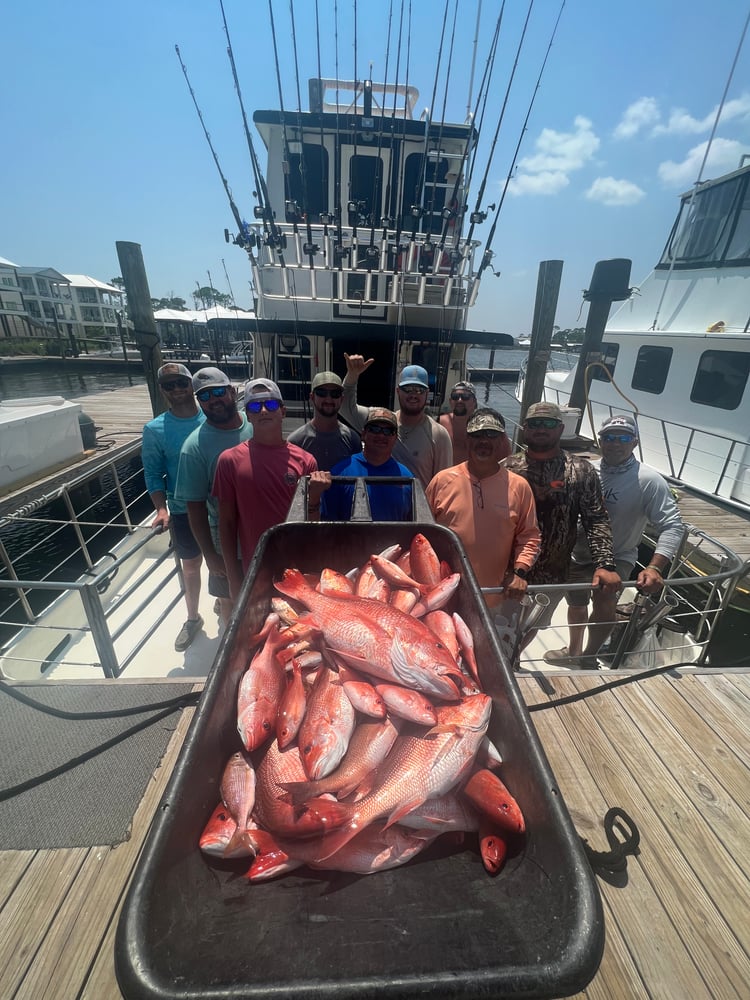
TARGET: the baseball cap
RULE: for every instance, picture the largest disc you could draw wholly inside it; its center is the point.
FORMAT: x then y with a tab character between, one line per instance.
326	378
620	422
486	421
544	410
379	414
172	370
261	388
465	387
414	375
205	378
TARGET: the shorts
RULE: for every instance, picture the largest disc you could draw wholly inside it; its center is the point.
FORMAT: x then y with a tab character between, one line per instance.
184	542
582	573
218	586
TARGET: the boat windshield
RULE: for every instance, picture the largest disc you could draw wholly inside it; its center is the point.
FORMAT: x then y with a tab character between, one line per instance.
712	228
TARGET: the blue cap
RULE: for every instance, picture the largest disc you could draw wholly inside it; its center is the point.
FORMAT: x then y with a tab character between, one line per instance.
414	375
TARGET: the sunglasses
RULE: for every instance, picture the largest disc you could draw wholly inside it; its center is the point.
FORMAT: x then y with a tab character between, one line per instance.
619	438
256	405
381	429
465	396
216	390
484	434
333	393
177	383
536	422
415	390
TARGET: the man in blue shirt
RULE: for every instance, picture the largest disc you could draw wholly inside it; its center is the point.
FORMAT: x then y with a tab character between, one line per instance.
225	426
163	438
387	502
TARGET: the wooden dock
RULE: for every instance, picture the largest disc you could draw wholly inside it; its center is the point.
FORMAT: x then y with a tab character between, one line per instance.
671	751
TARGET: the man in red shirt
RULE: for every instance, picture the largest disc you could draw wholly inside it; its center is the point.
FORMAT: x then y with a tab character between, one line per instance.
256	480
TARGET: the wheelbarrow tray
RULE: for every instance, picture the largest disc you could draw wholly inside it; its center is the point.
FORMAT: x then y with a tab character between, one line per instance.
441	926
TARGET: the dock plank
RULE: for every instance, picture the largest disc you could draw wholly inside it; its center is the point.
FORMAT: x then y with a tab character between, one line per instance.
669	819
674	923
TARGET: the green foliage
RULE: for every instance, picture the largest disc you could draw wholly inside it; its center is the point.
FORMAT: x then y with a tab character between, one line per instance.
207	296
169	302
14	346
568	337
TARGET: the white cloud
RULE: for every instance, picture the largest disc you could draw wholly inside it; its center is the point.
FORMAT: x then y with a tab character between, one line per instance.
724	155
557	155
544	182
682	123
638	115
611	191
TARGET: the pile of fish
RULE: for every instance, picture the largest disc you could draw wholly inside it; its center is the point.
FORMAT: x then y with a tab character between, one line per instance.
364	727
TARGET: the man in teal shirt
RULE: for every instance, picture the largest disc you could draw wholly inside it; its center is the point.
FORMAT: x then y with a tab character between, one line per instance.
224	428
163	438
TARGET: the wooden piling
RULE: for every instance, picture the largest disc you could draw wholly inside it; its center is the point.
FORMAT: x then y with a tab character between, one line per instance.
141	313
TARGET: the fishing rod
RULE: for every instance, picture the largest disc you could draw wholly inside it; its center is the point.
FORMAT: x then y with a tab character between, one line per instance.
310	249
488	253
477	216
274	237
245	238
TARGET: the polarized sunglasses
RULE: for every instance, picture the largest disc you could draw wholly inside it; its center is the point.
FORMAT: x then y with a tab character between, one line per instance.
485	434
216	390
333	393
177	383
466	396
536	422
619	438
381	429
256	405
415	389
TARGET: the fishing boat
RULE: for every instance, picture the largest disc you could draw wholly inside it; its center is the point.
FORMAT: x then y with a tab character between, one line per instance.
364	236
677	352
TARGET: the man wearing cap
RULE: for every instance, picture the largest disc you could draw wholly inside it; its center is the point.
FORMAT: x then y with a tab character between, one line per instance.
566	489
463	404
489	508
635	495
224	428
163	438
423	445
256	480
327	439
387	502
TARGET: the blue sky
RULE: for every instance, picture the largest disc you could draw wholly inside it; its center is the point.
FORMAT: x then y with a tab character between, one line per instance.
101	141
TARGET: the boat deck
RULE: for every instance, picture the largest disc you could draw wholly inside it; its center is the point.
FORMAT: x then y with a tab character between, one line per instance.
671	751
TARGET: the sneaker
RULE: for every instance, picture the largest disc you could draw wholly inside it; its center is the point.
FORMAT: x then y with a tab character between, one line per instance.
187	633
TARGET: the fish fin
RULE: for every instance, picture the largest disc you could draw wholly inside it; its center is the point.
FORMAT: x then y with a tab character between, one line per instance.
241	844
404	809
296	792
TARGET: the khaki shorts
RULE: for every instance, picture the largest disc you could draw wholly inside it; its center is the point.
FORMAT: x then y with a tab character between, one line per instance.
582	573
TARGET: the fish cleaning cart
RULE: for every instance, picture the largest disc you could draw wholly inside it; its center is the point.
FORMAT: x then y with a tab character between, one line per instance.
440	927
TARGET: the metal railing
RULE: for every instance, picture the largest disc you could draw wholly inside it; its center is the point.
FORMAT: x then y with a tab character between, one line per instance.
107	521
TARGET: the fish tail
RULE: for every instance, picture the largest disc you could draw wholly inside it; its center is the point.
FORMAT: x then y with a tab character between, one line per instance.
241	844
297	792
292	583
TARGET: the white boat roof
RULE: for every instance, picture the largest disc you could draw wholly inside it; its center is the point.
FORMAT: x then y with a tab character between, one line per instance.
202	315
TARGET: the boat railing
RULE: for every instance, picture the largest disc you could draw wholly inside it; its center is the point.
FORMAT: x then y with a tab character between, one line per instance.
677	627
103	535
708	461
425	268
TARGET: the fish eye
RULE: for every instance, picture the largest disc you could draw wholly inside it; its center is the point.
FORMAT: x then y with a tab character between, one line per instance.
266	725
307	749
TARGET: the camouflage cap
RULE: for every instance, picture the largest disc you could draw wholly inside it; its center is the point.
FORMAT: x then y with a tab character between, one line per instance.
485	421
544	410
379	415
465	387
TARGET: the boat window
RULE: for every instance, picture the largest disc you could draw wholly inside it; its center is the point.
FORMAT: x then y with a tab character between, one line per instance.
365	189
713	228
651	369
721	379
308	191
432	198
609	360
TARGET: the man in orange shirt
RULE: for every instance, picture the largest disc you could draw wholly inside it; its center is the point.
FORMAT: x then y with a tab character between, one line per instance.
492	511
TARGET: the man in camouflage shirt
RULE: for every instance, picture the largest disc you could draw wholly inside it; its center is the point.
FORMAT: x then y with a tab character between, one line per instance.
566	488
